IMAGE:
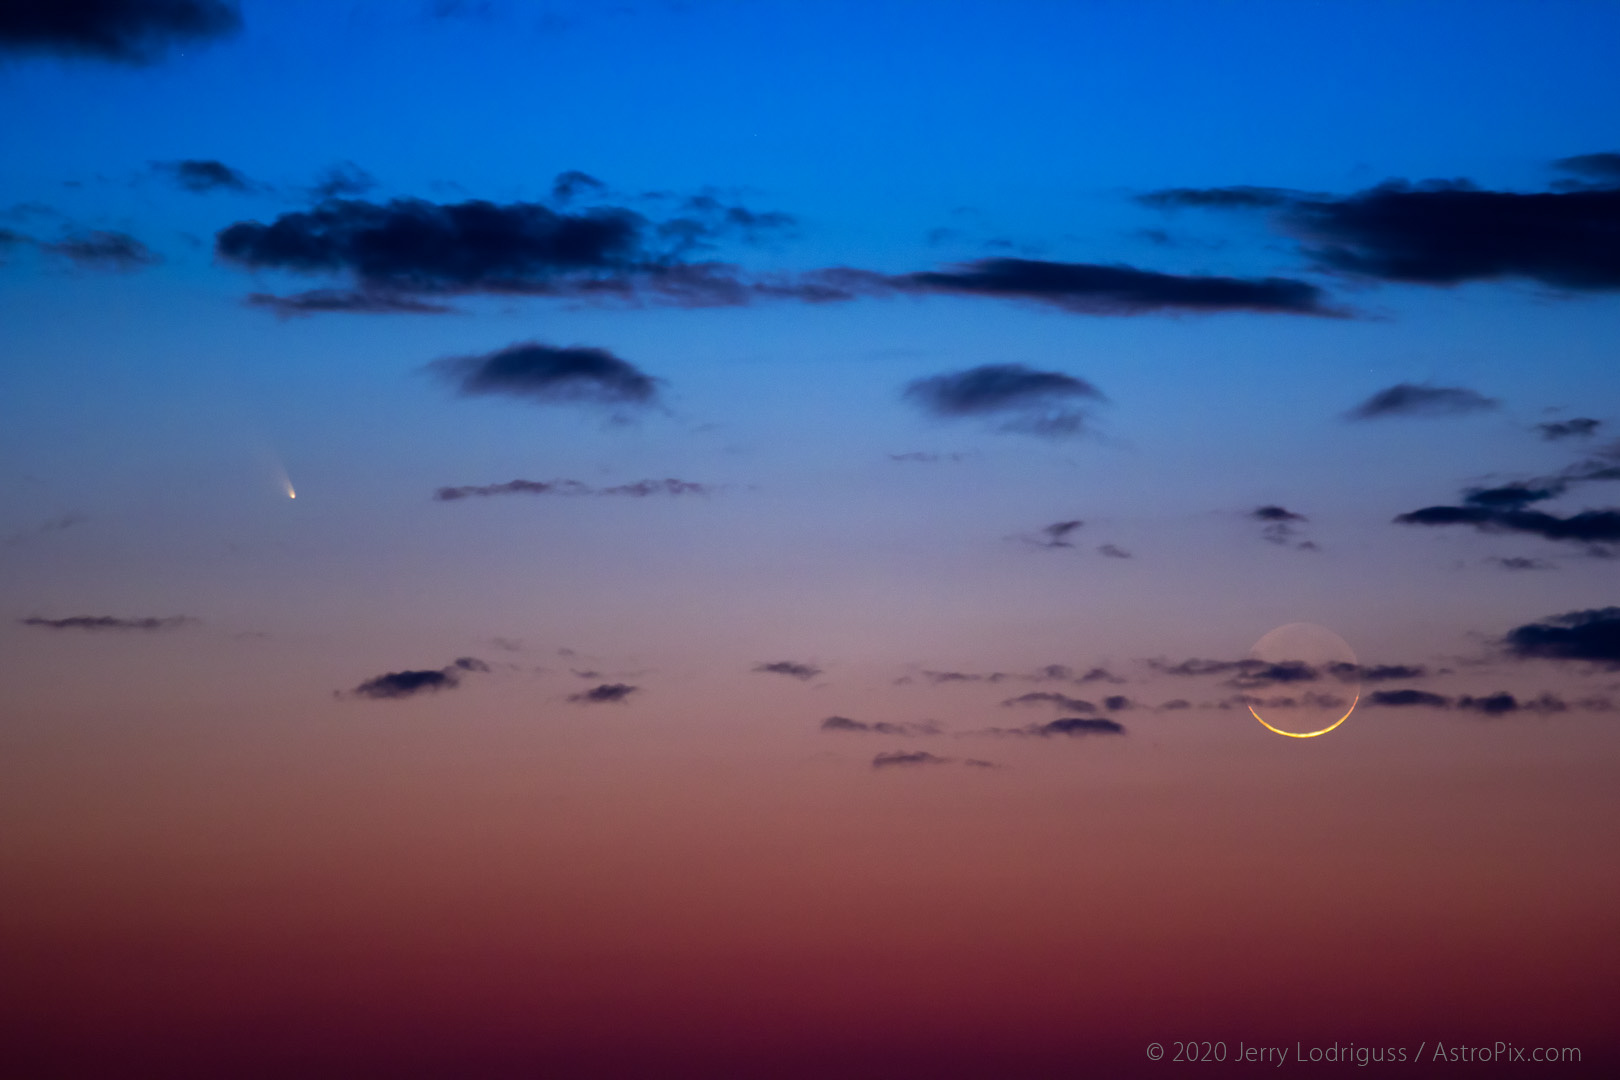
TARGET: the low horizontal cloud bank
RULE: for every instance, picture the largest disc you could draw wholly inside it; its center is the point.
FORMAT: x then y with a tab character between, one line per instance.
638	490
1592	635
1093	289
1046	697
549	374
1070	727
913	758
1500	703
1026	400
879	727
1603	168
1445	232
352	301
126	31
1586	527
564	248
1413	399
415	247
1049	673
1251	673
1506	508
606	694
793	670
108	622
404	684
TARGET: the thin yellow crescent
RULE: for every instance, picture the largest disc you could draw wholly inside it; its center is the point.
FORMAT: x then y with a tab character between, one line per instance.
1307	734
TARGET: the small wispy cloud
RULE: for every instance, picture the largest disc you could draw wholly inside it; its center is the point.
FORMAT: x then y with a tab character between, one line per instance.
396	685
879	727
638	490
792	669
607	693
108	622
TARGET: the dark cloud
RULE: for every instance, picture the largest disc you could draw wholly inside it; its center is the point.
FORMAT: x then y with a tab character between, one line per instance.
1279	526
1118	703
1092	289
1350	673
1076	726
204	175
1579	427
1502	509
1175	705
413	246
1410	399
1113	551
342	179
404	684
909	757
1406	698
607	692
1259	673
1586	527
1246	674
549	374
1498	704
803	672
1446	233
108	622
880	727
410	245
353	301
705	216
1055	535
1049	673
1242	197
104	249
1037	402
1196	666
129	31
1044	697
938	677
639	489
1604	168
1592	635
1512	495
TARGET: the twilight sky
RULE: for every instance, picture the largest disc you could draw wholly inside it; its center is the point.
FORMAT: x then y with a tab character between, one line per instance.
785	497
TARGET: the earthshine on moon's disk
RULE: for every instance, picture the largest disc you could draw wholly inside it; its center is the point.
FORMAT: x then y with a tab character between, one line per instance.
1305	661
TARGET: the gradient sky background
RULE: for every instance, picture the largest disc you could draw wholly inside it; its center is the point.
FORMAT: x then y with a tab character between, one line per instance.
256	820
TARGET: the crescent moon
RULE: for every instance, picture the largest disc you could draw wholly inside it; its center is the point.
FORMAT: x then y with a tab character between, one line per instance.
1307	734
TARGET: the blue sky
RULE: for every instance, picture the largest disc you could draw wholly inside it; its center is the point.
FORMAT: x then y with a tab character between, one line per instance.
971	188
